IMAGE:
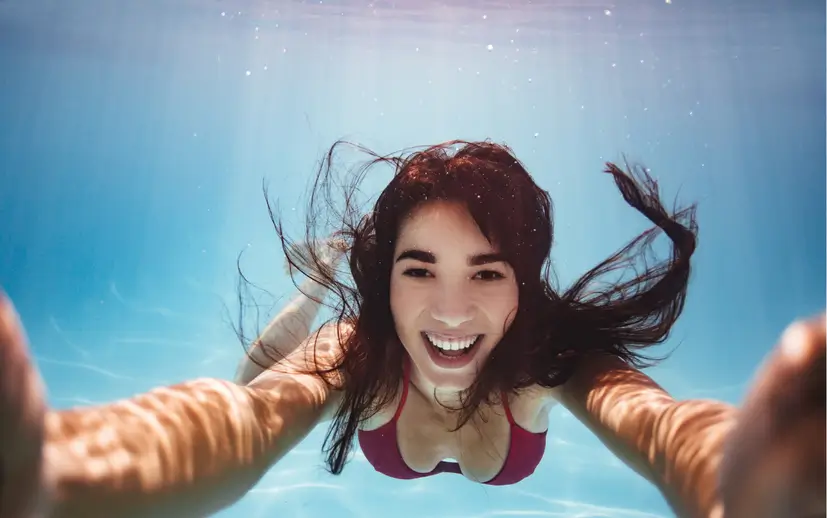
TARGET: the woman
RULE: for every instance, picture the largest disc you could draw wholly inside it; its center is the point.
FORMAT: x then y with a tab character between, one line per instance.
450	344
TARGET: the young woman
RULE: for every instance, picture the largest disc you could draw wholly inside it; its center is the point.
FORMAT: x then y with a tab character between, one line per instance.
450	343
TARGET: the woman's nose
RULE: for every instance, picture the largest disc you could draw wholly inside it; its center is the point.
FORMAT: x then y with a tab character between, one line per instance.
452	308
451	321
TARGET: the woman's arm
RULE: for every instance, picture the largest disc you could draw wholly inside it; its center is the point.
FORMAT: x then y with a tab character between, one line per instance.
292	325
283	333
187	450
676	445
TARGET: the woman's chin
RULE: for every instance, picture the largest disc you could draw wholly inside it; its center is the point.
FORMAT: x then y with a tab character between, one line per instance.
447	373
449	380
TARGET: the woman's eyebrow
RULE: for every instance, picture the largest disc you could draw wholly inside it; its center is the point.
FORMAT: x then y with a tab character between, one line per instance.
428	257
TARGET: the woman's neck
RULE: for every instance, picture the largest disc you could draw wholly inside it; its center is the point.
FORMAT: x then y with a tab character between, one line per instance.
444	400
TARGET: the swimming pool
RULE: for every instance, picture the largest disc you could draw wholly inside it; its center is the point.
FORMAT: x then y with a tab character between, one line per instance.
134	138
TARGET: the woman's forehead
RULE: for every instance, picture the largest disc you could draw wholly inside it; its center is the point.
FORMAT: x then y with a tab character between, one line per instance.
443	227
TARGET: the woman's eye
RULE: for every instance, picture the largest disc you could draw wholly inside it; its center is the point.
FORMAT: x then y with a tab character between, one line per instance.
485	275
489	275
416	272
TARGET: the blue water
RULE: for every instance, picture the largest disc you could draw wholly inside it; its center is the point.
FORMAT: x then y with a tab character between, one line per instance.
135	136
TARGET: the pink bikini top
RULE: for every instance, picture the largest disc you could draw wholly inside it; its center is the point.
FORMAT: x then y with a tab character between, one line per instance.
382	451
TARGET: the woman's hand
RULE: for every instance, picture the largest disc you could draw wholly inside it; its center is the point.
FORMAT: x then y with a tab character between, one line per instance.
22	413
328	252
774	461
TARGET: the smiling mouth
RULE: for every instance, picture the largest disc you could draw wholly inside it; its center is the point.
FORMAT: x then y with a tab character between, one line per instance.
453	347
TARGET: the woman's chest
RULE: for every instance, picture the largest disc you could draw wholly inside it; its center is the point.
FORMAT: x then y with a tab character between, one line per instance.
426	435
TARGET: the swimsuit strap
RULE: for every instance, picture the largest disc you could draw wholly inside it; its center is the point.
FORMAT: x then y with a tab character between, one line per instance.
508	415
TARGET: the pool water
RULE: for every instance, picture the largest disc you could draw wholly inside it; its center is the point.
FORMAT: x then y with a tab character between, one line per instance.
135	136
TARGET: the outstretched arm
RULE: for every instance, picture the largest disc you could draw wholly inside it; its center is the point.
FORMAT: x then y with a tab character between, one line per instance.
708	458
675	445
182	451
187	450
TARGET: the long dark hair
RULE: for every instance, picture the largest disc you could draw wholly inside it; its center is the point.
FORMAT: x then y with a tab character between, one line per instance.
606	311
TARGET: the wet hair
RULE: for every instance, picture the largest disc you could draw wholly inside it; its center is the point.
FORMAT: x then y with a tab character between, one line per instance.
620	307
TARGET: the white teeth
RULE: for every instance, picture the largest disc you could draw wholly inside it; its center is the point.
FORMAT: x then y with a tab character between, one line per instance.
454	344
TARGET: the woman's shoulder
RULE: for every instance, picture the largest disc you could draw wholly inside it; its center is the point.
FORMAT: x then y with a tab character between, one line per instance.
530	406
537	394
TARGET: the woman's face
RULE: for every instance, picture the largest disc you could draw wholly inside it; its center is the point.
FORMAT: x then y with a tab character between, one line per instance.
452	296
